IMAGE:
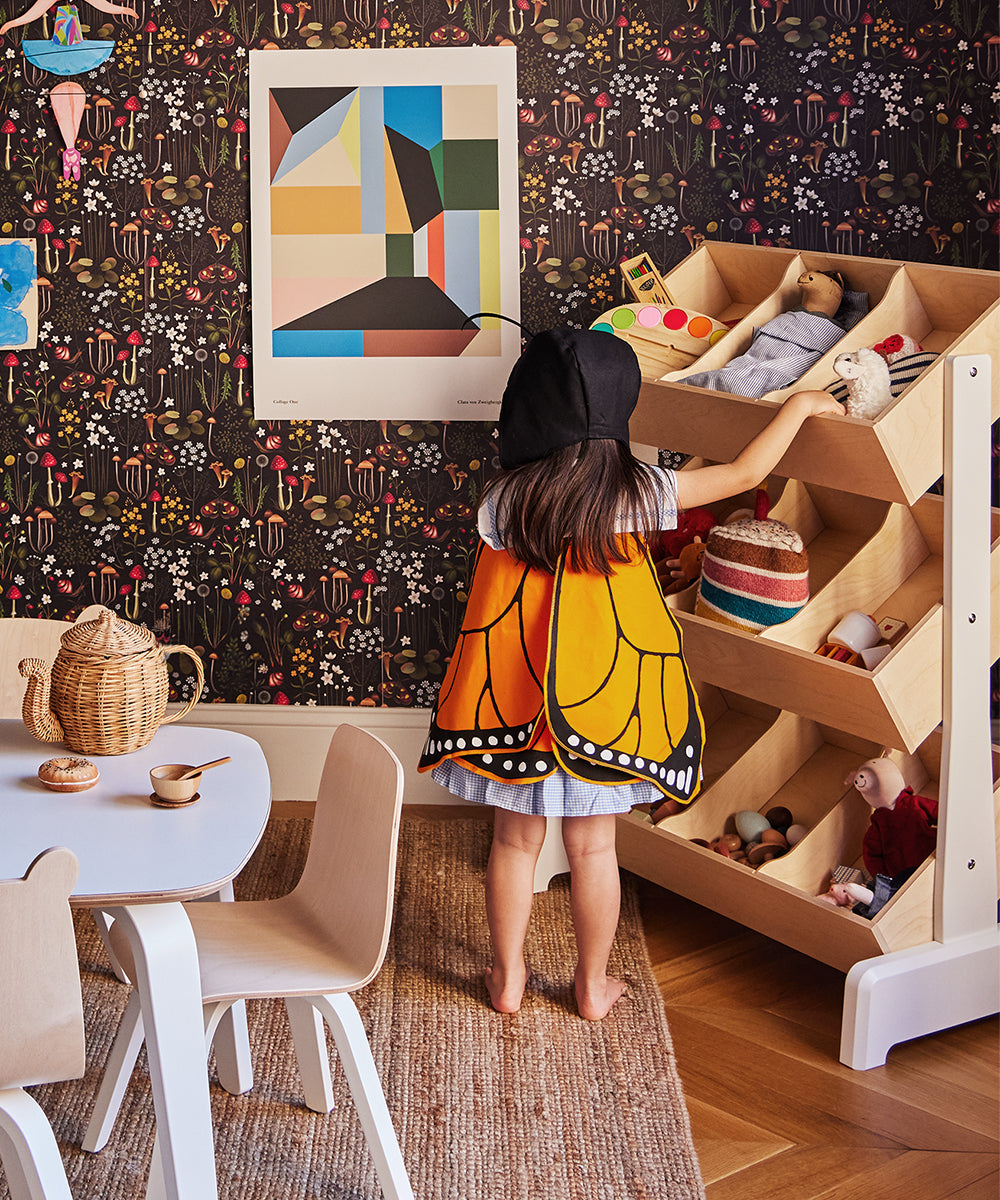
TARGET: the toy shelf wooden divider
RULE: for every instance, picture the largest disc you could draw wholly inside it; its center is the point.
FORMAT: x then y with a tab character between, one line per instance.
897	457
883	559
801	766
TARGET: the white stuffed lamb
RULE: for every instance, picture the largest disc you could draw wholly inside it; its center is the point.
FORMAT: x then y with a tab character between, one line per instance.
866	375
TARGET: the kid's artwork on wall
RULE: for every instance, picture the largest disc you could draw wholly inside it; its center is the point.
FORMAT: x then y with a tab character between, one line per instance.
18	294
384	215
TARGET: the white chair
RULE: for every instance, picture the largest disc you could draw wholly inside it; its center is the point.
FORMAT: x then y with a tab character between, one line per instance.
31	637
313	947
41	1019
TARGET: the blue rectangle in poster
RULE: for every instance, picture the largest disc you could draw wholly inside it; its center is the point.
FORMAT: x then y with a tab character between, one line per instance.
18	294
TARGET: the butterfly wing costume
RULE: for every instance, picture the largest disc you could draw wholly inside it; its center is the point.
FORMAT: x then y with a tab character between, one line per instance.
572	671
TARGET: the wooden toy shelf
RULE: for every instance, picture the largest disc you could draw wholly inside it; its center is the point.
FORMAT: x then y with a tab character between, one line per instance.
948	310
785	725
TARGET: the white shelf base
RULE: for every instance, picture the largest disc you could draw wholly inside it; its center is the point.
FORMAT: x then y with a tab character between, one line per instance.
911	993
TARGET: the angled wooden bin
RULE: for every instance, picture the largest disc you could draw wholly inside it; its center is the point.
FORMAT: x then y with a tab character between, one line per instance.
802	766
897	457
884	559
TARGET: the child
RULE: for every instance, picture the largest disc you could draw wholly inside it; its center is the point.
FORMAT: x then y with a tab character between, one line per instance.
567	693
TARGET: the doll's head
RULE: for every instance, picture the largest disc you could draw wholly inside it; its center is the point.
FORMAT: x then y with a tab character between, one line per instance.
821	292
569	386
879	780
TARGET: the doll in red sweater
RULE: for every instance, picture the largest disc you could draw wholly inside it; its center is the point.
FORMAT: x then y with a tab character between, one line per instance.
903	828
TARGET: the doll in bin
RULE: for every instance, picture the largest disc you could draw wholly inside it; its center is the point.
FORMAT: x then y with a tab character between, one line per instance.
902	831
567	693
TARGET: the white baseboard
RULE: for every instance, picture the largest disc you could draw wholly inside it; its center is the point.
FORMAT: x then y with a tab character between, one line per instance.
295	742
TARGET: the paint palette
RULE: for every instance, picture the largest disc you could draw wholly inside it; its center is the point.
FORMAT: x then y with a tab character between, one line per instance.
665	337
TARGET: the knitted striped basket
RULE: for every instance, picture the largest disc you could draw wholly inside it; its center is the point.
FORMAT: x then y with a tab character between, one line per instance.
755	572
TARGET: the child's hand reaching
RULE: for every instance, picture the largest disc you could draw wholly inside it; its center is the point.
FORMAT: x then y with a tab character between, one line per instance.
757	460
817	403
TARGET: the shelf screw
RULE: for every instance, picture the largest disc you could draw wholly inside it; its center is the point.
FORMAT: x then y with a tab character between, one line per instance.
972	618
973	371
971	864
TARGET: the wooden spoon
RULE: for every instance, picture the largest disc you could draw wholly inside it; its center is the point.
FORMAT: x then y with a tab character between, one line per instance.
192	771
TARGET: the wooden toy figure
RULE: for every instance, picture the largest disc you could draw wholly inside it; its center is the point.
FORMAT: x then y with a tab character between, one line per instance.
903	828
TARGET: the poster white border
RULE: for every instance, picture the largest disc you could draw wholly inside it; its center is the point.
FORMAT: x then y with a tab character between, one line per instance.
390	388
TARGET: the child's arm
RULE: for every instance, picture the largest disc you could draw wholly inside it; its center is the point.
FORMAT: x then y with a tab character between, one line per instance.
704	485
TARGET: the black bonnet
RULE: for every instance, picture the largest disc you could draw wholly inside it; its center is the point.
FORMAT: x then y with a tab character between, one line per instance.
569	386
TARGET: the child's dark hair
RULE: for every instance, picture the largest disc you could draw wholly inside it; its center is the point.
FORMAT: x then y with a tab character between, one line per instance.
574	499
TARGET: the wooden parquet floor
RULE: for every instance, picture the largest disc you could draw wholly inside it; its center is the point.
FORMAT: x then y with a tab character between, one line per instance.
774	1114
756	1030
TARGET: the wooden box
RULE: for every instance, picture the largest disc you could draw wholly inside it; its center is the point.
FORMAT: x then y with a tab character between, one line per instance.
898	456
884	559
802	766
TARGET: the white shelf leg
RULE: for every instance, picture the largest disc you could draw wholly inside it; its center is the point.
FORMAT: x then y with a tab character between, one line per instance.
552	858
956	977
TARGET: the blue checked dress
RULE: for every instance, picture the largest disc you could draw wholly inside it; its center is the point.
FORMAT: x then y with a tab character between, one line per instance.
558	794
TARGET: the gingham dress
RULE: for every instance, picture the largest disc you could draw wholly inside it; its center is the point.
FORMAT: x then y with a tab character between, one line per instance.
558	794
782	350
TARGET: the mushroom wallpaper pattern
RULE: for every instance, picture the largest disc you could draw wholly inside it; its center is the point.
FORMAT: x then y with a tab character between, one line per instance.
326	563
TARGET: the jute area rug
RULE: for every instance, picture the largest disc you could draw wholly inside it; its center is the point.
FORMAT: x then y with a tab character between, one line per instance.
539	1105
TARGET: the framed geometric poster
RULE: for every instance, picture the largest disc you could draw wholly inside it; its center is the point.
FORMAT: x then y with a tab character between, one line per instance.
383	214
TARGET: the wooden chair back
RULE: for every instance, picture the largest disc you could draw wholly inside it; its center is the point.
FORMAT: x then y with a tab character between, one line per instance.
347	884
24	637
41	1028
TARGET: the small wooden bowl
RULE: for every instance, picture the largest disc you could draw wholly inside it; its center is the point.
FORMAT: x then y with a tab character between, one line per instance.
169	788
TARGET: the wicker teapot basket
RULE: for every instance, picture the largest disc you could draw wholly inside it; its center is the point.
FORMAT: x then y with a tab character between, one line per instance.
107	690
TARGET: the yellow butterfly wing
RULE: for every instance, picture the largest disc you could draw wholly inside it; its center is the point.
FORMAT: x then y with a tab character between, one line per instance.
619	696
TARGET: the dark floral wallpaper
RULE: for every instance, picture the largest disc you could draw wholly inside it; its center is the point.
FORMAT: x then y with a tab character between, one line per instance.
325	563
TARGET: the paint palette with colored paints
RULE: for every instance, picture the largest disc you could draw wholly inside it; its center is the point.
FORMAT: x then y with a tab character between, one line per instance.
665	337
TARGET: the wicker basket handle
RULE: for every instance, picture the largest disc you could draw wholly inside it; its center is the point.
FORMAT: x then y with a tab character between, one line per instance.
199	671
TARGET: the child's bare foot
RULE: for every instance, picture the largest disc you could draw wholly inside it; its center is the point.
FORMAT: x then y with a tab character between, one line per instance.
594	1002
506	990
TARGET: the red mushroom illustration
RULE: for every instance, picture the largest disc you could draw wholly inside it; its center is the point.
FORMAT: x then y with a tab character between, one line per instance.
713	125
278	465
131	373
601	102
959	123
369	579
239	127
48	462
10	362
7	128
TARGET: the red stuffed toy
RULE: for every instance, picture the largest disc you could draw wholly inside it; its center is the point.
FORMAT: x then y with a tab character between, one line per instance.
691	523
903	828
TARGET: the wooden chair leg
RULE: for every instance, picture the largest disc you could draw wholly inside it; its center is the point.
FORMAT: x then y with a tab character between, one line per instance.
366	1088
29	1151
309	1039
232	1039
117	1073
